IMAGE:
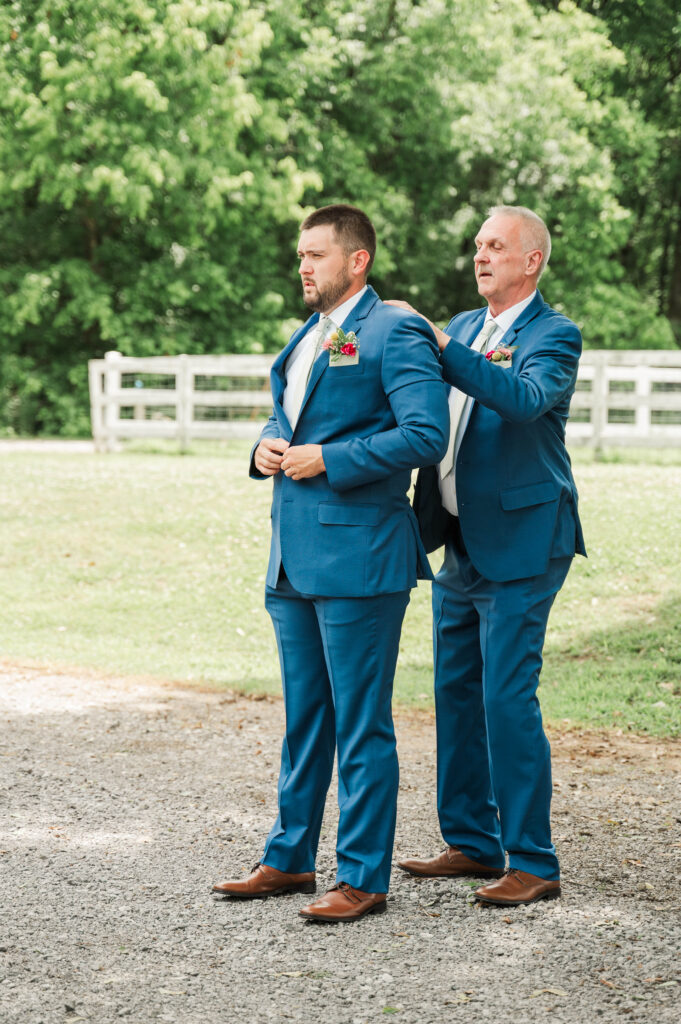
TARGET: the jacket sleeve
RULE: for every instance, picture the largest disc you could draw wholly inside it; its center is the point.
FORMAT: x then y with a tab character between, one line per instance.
271	429
412	381
547	374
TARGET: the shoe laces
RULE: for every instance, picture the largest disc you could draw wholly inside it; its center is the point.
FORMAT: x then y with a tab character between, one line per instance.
347	891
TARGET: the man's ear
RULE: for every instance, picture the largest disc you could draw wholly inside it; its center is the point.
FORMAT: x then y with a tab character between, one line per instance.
533	261
359	262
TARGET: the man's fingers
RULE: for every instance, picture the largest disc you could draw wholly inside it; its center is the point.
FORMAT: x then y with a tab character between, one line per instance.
275	444
267	461
268	455
401	304
303	461
290	466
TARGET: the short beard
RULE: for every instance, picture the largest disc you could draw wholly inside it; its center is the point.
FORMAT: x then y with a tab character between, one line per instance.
326	300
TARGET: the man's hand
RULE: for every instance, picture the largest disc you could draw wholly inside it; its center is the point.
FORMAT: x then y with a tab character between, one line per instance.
403	305
303	461
268	455
442	338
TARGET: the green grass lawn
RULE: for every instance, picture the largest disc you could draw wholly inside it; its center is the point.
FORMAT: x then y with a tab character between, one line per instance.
154	563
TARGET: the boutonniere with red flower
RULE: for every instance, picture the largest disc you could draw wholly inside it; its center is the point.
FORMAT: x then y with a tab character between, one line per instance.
343	348
501	355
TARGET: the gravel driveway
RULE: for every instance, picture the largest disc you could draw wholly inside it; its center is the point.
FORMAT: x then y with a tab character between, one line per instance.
124	800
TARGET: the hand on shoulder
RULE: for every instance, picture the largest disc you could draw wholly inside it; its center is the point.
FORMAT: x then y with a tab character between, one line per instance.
442	338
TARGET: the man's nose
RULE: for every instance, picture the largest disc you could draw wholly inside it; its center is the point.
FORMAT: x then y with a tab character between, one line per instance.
304	267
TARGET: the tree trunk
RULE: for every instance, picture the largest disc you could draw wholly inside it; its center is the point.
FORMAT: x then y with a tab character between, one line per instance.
674	285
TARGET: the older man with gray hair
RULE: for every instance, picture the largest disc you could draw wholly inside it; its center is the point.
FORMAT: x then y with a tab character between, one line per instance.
503	503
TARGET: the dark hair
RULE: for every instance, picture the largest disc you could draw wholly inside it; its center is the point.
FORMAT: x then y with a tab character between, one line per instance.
353	228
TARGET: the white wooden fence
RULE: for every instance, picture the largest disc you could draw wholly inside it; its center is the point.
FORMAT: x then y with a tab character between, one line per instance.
622	398
630	398
183	398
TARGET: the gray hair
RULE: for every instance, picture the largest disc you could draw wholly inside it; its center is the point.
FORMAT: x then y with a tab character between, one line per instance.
535	234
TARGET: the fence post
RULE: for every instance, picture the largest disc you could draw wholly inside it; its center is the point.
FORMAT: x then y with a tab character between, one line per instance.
94	373
599	407
112	385
643	392
184	408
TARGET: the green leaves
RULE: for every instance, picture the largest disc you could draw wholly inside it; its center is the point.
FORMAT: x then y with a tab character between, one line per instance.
128	135
132	131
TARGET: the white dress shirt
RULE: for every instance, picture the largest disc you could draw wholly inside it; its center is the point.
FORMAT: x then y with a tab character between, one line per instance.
503	322
298	361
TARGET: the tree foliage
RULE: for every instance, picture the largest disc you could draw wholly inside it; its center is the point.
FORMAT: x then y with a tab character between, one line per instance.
156	158
648	32
429	113
138	190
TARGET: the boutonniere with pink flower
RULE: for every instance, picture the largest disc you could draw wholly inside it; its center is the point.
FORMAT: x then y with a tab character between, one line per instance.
501	355
343	348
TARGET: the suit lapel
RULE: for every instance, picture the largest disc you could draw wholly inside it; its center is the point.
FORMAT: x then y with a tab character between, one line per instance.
356	316
476	327
278	373
352	322
510	336
527	315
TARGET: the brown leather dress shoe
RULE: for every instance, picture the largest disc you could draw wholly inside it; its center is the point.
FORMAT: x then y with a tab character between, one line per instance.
451	863
343	903
518	887
266	881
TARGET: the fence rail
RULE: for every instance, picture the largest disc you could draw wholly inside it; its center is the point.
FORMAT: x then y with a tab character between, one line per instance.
622	398
627	398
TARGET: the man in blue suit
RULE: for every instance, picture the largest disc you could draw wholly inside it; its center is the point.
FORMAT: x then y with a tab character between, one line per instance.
358	402
504	504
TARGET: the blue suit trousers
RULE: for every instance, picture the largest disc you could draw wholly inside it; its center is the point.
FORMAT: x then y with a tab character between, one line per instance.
338	659
493	758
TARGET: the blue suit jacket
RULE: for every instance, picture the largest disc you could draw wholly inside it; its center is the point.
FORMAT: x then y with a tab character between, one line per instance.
350	532
516	495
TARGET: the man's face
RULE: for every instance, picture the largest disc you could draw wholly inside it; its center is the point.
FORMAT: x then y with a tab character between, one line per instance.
501	264
324	268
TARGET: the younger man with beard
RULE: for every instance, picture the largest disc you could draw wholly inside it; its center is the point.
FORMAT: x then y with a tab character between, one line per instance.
346	430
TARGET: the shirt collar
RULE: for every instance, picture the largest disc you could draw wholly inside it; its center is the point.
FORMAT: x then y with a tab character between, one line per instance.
509	316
